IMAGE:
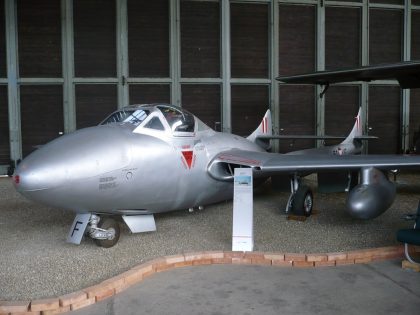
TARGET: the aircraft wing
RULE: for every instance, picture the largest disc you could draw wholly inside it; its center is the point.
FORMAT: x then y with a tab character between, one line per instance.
267	164
407	74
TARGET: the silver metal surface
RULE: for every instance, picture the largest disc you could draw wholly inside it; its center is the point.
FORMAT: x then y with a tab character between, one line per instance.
308	203
111	169
140	223
101	234
407	254
98	233
374	195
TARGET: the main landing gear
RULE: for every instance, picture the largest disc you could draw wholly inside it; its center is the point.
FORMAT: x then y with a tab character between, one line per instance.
105	231
301	199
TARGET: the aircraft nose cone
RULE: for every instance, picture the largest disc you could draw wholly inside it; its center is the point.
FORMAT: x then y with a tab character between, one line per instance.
27	178
83	154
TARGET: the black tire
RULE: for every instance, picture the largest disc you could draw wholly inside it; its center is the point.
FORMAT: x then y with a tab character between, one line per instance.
106	224
303	201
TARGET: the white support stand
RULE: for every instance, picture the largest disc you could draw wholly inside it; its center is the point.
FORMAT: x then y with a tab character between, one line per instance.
243	223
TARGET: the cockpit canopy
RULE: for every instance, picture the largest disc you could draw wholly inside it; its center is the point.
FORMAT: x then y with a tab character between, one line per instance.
127	115
160	117
178	119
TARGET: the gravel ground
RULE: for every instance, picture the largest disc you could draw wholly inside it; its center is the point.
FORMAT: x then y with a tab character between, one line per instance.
36	262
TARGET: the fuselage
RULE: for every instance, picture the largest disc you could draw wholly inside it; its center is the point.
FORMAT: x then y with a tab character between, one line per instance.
130	168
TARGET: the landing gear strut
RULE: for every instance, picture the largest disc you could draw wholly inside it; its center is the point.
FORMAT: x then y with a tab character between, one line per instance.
301	198
105	231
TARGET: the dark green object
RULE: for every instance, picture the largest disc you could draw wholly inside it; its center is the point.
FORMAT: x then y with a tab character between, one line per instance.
411	236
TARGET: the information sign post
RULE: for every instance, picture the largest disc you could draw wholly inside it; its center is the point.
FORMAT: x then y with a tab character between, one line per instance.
243	229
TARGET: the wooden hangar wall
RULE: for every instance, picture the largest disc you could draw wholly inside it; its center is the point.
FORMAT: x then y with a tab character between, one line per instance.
65	64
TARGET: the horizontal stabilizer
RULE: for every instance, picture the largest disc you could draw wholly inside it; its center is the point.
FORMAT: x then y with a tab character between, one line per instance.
366	137
407	74
306	137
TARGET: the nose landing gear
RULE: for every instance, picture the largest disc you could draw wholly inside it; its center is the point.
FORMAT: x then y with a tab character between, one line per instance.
105	231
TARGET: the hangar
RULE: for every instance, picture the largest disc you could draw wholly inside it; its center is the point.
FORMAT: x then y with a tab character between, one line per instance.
65	64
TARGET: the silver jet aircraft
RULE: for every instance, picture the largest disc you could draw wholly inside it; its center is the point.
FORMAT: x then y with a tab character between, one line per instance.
147	159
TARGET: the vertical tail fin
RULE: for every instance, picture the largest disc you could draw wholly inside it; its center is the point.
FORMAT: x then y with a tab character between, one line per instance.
357	130
264	128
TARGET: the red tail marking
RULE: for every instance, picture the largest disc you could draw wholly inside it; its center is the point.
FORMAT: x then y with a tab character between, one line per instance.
188	156
358	122
264	125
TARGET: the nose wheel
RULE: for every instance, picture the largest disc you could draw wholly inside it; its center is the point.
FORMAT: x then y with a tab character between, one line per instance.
105	231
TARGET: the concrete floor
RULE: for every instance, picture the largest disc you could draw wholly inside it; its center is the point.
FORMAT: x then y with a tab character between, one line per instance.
376	288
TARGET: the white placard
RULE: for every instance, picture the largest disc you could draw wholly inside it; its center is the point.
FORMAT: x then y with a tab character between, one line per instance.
243	223
78	228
